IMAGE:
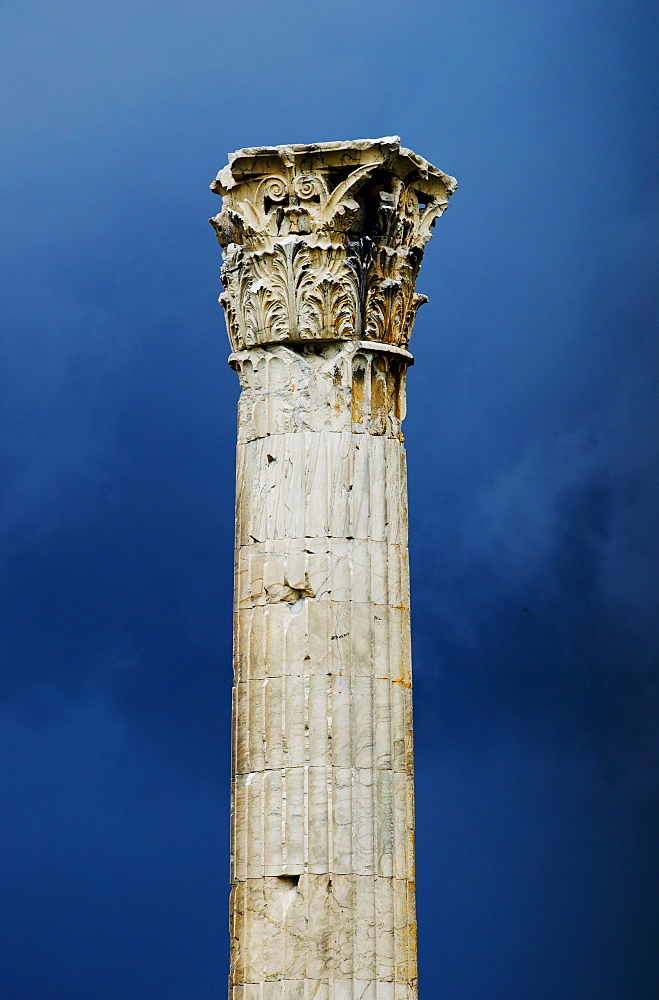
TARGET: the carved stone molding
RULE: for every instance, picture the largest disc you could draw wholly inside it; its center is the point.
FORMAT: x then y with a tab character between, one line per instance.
351	387
324	242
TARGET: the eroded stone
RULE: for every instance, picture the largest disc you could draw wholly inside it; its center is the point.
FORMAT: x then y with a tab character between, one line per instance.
322	245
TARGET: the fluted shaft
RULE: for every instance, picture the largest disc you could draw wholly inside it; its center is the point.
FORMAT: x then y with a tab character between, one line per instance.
322	864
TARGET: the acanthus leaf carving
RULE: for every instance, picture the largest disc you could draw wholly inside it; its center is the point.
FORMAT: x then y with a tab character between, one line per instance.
325	242
292	291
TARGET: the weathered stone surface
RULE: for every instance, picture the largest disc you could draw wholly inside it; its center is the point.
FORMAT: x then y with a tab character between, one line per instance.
322	247
324	242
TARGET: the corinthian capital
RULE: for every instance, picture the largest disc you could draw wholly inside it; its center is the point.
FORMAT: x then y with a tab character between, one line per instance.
324	242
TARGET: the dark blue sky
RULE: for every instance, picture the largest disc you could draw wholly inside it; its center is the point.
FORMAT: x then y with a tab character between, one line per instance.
532	445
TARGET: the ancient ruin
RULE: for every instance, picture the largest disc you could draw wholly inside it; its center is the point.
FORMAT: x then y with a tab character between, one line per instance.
322	246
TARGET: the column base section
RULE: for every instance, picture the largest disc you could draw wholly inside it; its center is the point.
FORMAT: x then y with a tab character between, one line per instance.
324	989
329	929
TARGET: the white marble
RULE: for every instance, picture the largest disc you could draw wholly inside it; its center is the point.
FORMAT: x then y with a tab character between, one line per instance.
322	245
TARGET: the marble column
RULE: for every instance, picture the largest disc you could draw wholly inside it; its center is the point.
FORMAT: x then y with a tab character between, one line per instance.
322	245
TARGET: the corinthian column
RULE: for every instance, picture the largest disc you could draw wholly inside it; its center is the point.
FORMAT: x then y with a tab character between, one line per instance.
322	245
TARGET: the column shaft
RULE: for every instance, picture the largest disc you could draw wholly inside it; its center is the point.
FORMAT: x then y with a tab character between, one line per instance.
322	819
